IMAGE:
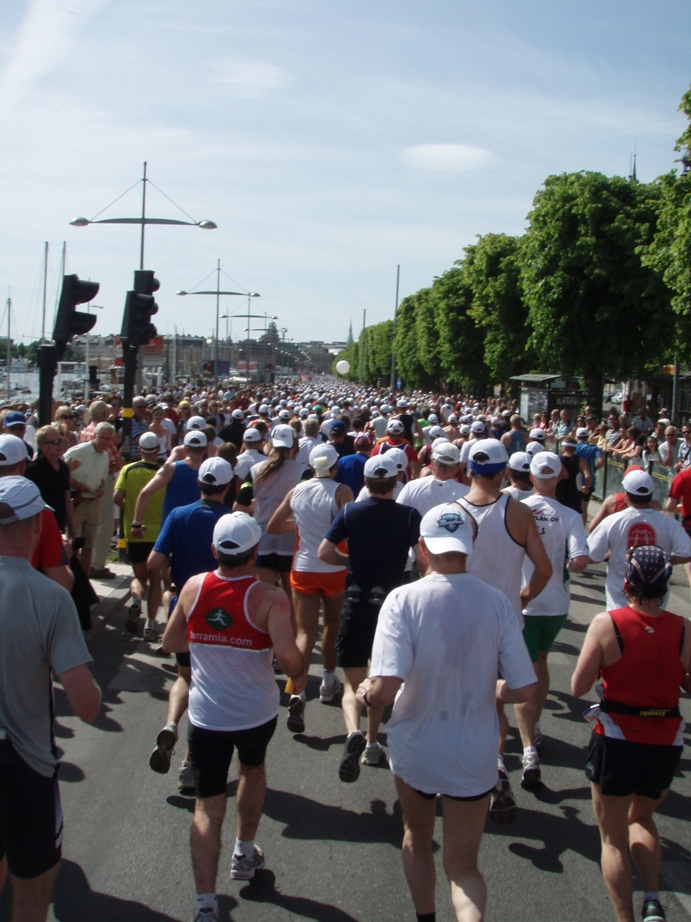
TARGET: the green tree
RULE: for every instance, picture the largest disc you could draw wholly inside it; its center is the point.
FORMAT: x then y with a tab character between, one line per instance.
413	318
460	339
669	252
492	268
594	307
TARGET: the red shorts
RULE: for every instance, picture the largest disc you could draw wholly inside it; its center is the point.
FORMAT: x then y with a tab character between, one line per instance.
308	582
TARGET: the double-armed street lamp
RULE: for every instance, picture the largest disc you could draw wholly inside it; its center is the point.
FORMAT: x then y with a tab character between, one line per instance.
218	292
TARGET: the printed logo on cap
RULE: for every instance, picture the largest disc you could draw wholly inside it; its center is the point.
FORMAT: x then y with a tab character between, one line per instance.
451	521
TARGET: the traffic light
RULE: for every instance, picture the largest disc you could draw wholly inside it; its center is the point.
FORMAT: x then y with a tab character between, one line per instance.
70	322
137	329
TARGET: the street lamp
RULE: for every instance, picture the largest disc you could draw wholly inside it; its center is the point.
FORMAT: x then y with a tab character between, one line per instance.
143	220
218	293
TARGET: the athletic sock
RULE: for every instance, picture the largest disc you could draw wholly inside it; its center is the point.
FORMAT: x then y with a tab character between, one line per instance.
149	624
426	917
301	696
529	750
244	848
651	895
207	901
328	677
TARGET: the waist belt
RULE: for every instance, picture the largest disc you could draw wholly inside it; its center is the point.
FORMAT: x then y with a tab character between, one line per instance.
616	707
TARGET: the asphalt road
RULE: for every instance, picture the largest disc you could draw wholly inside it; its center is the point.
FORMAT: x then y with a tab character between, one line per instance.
333	849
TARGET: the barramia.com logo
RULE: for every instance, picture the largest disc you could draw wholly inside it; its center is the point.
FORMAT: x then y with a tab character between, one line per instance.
219	619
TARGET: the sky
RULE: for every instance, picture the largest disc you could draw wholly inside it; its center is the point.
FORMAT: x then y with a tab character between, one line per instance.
330	142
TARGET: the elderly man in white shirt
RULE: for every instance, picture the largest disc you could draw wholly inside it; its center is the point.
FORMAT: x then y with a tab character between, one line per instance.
89	481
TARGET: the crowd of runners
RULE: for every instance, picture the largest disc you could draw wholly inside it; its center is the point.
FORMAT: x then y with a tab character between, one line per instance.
431	536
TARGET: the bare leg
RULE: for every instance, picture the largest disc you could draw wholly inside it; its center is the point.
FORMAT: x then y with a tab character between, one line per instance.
352	711
418	861
644	840
142	576
179	695
528	714
612	815
374	716
205	841
307	623
332	613
249	800
503	727
464	822
31	898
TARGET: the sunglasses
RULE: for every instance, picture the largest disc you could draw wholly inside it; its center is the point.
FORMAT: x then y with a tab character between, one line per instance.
53	442
66	416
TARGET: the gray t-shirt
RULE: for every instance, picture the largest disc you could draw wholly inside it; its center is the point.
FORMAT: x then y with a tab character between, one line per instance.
39	632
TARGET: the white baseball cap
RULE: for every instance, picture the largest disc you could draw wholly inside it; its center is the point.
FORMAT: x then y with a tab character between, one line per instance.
395	427
196	439
149	441
322	459
487	456
636	482
477	427
196	422
582	433
520	461
399	457
545	464
252	435
447	453
236	533
12	450
283	437
538	434
19	499
215	472
238	414
447	528
379	467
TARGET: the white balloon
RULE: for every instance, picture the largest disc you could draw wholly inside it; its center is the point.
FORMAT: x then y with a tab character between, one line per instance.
343	367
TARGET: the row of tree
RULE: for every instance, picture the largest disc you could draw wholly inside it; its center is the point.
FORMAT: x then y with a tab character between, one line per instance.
599	284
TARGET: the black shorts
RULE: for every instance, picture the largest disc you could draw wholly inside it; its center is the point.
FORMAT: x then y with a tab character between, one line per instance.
451	797
622	768
279	563
30	816
212	750
356	628
138	551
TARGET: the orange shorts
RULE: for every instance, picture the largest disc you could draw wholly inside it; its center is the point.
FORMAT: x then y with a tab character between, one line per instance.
309	583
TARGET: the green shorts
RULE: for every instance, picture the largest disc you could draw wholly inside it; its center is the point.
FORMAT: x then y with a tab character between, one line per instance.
540	632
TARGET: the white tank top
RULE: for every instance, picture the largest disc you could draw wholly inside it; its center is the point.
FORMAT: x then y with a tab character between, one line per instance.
314	508
496	559
268	495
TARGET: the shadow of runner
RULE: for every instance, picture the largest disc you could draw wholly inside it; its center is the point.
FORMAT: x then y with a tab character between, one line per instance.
75	901
262	889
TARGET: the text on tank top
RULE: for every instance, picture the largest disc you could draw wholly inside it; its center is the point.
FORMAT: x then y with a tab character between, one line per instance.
496	559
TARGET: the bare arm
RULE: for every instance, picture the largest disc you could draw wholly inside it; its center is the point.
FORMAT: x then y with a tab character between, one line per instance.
156	560
578	564
82	692
119	498
329	553
380	690
282	520
515	695
61	575
69	513
592	655
584	468
174	638
280	630
672	505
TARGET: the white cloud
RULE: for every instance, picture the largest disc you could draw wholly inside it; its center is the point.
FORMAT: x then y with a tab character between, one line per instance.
44	36
446	158
248	79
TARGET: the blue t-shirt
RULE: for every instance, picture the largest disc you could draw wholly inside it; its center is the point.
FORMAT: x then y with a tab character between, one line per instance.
182	490
590	452
186	538
351	472
380	533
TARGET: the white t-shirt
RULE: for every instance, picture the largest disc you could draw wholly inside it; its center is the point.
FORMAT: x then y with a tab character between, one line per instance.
427	492
631	528
563	536
246	460
447	636
365	494
520	495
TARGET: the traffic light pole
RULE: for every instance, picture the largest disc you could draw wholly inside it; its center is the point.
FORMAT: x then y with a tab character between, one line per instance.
48	366
130	358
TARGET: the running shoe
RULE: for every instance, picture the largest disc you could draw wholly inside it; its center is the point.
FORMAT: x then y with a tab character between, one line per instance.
206	915
296	715
151	635
349	769
132	623
653	911
502	806
242	868
186	780
327	693
532	776
159	760
373	754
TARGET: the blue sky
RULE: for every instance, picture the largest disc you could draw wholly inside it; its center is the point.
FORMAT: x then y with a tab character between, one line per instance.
328	141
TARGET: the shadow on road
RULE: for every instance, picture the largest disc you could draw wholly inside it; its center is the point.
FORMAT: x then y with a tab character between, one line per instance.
263	890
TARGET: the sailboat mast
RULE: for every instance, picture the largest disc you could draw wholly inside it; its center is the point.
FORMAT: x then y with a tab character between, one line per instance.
45	291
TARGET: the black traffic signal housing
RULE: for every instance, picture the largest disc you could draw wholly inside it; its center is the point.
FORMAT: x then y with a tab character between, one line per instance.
70	322
137	329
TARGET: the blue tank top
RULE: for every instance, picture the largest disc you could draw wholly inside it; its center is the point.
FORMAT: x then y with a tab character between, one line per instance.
182	490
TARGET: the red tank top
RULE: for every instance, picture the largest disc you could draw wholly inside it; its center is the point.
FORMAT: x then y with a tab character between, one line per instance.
619	502
647	676
219	615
